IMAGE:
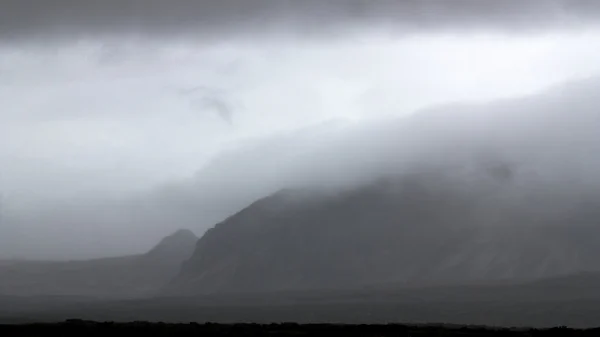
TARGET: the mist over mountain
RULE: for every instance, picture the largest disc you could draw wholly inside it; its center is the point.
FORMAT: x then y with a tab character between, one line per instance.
458	194
101	154
538	142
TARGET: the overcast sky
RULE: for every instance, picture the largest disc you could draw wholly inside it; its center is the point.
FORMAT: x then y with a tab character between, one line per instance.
100	100
22	19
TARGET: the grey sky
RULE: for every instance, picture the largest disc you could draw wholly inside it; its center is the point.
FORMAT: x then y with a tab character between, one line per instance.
67	18
93	119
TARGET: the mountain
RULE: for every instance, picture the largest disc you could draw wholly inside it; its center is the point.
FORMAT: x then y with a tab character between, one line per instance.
494	192
392	232
115	277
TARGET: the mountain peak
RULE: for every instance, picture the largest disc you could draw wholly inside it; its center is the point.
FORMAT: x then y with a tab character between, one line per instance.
182	234
181	242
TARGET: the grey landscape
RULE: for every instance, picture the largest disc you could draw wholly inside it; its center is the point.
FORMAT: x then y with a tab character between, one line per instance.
230	162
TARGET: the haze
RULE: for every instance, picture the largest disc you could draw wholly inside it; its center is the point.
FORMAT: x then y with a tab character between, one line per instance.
113	128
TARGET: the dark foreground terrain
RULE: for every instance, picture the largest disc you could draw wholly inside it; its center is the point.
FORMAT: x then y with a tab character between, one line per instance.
89	328
539	314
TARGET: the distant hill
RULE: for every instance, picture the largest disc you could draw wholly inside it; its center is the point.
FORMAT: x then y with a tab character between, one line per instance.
117	277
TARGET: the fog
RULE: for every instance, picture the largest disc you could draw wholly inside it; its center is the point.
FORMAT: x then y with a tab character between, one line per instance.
119	127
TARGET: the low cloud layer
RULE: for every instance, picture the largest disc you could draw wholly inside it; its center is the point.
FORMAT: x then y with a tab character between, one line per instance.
151	115
536	150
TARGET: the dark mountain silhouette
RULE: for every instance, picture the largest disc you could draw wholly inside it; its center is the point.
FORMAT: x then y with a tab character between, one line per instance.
115	277
501	191
412	231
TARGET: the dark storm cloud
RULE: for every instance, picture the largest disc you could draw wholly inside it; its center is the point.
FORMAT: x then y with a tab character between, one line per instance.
155	18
